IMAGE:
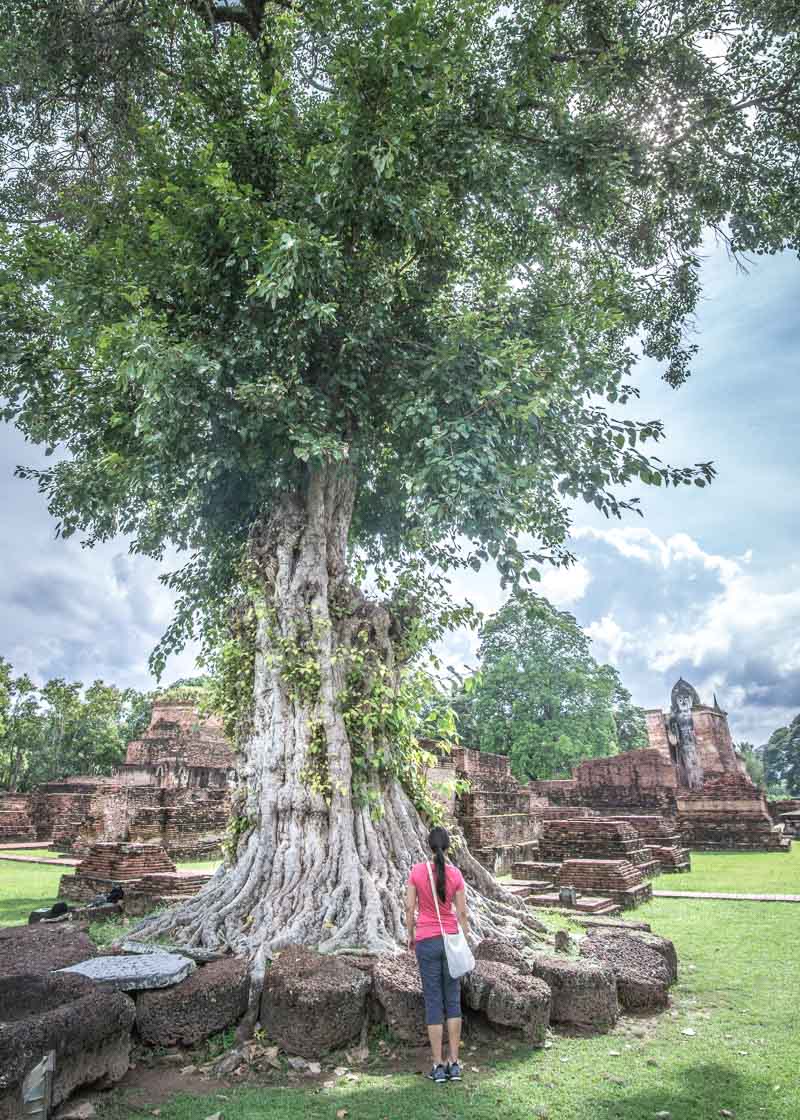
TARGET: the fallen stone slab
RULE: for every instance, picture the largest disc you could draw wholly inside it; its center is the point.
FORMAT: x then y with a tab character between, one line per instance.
87	1028
131	972
38	949
213	998
583	991
509	998
312	1003
398	990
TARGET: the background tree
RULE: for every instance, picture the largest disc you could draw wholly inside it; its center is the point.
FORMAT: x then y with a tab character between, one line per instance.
753	758
540	697
291	283
629	720
61	729
782	760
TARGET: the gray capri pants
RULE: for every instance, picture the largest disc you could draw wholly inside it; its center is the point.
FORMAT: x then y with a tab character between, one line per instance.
442	993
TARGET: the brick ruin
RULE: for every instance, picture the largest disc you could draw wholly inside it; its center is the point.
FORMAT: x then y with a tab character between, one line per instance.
16	825
728	812
513	828
690	775
173	790
595	838
144	871
618	821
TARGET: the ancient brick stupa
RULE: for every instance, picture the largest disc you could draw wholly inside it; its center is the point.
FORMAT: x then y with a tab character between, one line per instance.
173	790
689	774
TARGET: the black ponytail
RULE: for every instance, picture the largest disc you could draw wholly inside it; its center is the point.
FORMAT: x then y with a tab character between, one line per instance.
439	842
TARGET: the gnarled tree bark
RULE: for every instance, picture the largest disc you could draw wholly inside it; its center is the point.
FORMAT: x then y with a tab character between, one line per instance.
315	866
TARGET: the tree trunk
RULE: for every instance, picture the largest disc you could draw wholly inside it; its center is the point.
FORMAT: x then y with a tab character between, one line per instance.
316	864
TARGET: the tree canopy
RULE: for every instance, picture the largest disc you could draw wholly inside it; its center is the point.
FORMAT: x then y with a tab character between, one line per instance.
241	242
541	698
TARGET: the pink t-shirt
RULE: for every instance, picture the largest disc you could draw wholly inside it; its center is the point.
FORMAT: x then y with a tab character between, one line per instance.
427	922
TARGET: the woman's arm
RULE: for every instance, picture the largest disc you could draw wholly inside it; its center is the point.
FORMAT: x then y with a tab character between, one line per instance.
460	900
411	913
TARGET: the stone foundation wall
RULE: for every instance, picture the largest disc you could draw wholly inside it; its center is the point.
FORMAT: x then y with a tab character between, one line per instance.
119	862
728	812
15	818
635	780
492	831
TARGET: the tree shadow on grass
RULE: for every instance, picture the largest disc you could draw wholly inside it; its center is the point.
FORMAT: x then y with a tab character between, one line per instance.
15	911
701	1092
698	1092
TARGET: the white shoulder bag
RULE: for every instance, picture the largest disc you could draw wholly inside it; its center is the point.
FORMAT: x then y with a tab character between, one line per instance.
459	955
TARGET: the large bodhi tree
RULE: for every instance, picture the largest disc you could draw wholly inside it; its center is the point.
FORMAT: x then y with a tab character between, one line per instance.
293	282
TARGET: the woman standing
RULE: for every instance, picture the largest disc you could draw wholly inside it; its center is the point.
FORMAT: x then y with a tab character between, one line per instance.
442	993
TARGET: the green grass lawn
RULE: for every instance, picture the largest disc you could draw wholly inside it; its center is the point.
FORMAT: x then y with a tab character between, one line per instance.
199	865
738	994
23	887
47	853
744	872
740	974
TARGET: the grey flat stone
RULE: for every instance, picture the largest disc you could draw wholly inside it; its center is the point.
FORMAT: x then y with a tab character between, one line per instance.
135	972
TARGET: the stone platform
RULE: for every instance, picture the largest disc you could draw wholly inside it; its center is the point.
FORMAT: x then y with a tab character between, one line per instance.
729	814
618	880
663	840
147	874
595	838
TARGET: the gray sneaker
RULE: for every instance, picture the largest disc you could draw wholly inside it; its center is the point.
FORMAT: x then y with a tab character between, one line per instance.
453	1071
438	1075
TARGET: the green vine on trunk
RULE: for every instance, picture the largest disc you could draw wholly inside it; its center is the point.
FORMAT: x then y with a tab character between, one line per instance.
383	720
316	773
232	661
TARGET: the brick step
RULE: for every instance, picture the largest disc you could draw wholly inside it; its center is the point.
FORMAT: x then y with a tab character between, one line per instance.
557	853
588	828
531	871
174	884
583	905
124	861
598	875
563	812
524	887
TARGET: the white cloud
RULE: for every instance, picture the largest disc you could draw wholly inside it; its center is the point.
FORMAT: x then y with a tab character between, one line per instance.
565	586
715	618
610	640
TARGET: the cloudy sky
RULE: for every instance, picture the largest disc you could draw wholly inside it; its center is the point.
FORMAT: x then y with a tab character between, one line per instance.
706	586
